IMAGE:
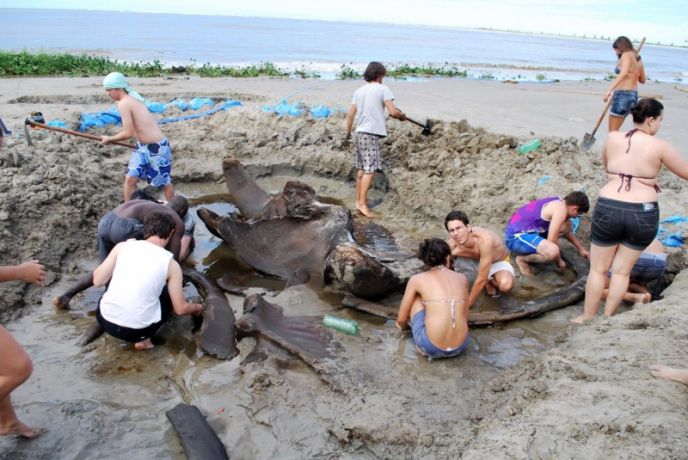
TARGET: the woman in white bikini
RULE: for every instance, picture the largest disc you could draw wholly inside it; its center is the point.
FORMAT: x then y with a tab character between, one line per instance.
436	302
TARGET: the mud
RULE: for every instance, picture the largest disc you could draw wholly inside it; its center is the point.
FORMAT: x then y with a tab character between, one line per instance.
537	388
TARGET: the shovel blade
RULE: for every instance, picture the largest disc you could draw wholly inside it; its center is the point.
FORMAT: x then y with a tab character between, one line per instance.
588	141
427	129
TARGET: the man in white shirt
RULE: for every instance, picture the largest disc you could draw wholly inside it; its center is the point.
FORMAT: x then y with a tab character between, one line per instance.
368	107
145	285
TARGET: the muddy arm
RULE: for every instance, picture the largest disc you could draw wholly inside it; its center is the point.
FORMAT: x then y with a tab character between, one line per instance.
198	439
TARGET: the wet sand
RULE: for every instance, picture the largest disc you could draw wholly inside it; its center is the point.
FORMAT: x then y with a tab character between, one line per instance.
538	388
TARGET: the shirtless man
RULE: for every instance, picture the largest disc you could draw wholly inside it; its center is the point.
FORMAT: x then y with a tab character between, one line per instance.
125	222
494	270
534	229
152	158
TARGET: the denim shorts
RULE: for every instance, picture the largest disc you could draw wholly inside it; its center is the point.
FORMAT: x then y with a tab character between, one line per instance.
622	101
423	342
152	162
523	244
615	222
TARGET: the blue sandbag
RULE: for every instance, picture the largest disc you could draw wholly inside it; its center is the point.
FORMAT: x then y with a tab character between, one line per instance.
99	119
181	104
320	111
58	124
156	107
673	241
543	180
198	102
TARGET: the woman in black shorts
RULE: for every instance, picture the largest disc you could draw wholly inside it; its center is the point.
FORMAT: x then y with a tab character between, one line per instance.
626	216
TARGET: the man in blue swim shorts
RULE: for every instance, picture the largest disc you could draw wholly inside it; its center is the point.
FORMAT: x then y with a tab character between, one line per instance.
152	159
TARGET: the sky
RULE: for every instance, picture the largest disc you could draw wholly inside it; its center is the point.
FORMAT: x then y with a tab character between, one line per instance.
665	21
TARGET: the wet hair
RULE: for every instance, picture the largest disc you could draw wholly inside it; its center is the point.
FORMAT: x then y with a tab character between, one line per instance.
646	108
158	224
180	205
140	194
455	215
374	71
579	199
433	252
622	44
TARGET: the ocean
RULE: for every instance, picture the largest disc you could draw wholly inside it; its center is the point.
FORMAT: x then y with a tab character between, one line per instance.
321	46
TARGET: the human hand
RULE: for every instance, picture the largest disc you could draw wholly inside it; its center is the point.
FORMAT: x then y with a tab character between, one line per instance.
561	264
607	95
32	272
401	326
198	309
104	140
584	252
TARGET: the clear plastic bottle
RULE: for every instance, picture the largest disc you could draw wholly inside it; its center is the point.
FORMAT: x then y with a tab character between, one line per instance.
347	326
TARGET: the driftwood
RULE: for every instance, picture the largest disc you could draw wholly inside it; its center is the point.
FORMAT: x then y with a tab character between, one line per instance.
217	335
199	440
303	336
561	298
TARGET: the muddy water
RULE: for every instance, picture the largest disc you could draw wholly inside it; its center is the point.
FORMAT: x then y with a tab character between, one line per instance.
107	400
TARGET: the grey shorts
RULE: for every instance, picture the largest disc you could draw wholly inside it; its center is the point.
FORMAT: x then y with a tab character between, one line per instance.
113	229
368	153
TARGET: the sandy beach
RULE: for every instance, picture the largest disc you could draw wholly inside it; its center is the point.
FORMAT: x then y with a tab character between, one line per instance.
540	388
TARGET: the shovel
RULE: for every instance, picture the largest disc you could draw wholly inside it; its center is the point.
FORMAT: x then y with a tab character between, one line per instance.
35	124
589	139
426	127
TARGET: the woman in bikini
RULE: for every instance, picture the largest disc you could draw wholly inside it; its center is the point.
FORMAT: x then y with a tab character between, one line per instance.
624	88
626	217
436	302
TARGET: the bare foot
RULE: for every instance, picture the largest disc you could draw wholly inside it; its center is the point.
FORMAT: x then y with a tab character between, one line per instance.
669	373
62	302
365	210
490	289
523	266
582	319
640	297
20	429
144	345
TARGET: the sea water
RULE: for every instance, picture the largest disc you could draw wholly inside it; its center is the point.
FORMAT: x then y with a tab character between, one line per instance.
321	46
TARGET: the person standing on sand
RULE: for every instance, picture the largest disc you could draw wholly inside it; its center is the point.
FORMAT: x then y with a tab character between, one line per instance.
436	303
626	217
368	107
144	285
494	270
624	88
152	158
534	230
125	222
15	364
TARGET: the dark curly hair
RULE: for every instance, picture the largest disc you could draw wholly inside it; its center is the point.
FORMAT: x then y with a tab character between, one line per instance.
646	108
433	252
579	199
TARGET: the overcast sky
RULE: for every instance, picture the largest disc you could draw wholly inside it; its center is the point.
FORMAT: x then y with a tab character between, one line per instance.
665	20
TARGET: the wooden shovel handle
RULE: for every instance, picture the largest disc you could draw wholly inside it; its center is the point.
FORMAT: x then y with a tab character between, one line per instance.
74	133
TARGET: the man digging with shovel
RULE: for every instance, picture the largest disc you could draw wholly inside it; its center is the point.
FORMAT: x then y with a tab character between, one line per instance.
152	158
368	106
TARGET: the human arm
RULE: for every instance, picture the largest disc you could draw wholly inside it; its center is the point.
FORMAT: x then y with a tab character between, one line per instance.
350	120
642	78
674	161
410	295
174	288
174	245
393	111
577	244
481	279
103	273
126	112
31	272
557	219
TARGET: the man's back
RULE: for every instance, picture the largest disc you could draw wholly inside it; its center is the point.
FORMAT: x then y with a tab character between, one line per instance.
146	128
370	108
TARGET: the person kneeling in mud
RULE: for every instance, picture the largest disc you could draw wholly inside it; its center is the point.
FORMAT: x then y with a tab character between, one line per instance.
495	272
145	285
436	302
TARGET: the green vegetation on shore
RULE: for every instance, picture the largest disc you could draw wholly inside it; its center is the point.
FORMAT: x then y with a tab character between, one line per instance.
24	64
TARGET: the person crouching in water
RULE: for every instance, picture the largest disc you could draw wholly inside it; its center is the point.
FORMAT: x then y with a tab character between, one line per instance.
145	285
436	302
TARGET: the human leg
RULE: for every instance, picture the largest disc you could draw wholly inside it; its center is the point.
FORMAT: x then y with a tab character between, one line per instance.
501	276
362	201
129	186
546	252
16	369
618	284
368	160
600	260
168	190
615	122
62	302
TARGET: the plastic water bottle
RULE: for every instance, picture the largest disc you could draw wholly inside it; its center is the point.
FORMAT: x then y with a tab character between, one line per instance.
347	326
529	146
